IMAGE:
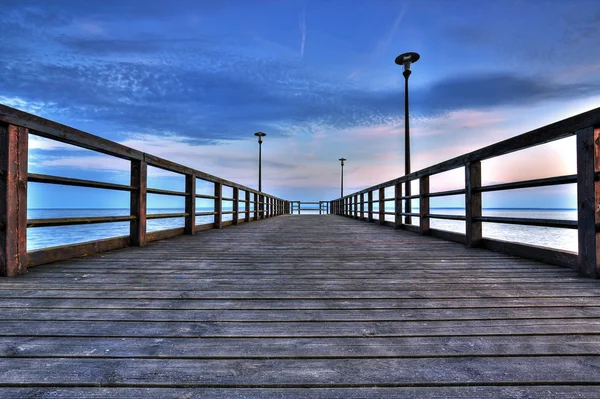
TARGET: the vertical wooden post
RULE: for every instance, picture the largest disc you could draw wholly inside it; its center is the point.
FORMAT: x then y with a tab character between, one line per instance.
588	201
298	207
408	203
247	207
236	205
190	204
218	221
356	206
139	180
381	206
473	203
424	205
255	205
265	207
362	206
370	201
261	206
397	205
13	200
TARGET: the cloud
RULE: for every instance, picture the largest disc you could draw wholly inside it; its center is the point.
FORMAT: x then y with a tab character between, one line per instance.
302	26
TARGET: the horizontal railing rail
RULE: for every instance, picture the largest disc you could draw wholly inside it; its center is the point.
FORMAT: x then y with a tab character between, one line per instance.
323	206
15	127
586	128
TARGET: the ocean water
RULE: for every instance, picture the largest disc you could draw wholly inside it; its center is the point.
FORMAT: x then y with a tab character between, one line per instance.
43	237
565	239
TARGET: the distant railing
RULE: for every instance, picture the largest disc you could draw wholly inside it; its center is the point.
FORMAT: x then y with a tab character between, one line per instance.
585	126
296	206
15	127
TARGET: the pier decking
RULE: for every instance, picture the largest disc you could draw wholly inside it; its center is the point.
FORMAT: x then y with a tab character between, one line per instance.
300	306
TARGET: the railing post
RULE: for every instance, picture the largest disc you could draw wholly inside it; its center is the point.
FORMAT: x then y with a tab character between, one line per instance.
424	205
236	207
13	200
190	204
247	207
139	180
362	206
397	205
588	201
381	206
255	206
218	221
265	207
299	207
356	206
473	203
370	207
261	206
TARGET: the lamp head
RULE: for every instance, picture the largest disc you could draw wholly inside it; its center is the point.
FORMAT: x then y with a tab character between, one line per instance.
406	59
342	160
260	135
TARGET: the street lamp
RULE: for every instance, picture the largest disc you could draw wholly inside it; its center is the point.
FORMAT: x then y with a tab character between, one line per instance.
260	135
405	60
342	189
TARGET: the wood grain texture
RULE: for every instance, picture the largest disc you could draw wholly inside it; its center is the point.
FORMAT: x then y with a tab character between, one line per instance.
13	200
138	197
588	261
190	204
289	307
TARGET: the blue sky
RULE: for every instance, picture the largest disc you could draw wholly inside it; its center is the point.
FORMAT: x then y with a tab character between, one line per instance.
191	81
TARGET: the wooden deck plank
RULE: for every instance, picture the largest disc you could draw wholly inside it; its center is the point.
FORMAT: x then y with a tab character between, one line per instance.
293	307
304	315
298	348
65	302
300	372
464	392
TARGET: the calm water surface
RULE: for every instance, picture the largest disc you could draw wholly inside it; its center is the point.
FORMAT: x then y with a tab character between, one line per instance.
37	238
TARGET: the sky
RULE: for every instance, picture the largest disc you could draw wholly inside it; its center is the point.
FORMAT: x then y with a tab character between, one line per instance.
192	81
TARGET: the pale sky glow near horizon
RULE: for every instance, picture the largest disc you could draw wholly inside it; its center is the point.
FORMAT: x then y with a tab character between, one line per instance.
191	81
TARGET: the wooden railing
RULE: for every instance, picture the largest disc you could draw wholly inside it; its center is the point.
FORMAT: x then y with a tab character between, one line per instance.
296	206
585	126
15	127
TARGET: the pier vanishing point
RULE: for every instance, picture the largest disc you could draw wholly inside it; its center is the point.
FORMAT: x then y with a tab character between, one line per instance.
341	304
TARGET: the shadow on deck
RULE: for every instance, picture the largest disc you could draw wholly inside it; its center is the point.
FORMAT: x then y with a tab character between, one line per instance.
300	306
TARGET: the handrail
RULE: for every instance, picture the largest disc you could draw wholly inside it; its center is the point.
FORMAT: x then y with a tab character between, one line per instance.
15	127
296	206
585	126
552	132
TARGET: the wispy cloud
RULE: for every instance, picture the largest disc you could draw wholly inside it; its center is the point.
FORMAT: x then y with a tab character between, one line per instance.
302	26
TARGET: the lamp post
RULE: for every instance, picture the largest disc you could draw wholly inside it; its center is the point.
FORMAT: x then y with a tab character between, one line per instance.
260	135
342	189
405	60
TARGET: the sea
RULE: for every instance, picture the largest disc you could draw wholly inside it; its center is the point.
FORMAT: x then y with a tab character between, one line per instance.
557	238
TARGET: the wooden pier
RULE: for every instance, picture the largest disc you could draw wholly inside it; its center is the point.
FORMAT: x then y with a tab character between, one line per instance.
292	308
278	305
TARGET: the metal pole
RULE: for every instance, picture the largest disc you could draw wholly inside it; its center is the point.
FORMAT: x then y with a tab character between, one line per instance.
342	188
260	166
407	190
